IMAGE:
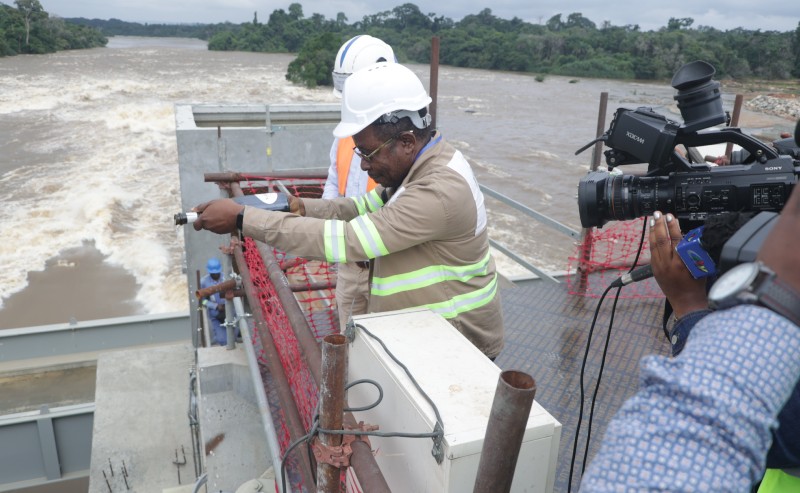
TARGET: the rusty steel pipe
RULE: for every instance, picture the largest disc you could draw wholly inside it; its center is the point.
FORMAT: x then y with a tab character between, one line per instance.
331	407
737	109
586	233
509	417
217	288
235	177
362	461
312	286
294	422
292	262
434	82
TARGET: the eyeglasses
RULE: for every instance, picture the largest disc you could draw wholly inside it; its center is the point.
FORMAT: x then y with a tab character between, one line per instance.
368	157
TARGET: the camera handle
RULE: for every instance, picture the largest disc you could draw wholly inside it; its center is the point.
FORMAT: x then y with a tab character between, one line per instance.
758	150
761	151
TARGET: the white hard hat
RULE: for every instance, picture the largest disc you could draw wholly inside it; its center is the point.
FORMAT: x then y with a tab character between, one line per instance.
356	53
385	91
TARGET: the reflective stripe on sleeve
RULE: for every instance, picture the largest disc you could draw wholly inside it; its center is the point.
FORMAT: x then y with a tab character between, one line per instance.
369	202
335	250
369	237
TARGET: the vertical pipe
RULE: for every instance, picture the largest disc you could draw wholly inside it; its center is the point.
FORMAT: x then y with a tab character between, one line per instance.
737	108
507	421
434	84
331	406
601	127
198	336
230	328
586	233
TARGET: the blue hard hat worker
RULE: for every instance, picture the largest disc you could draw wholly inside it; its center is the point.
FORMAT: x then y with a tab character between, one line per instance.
214	303
214	267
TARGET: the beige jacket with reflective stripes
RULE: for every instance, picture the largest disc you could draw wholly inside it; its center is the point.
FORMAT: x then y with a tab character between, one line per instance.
429	242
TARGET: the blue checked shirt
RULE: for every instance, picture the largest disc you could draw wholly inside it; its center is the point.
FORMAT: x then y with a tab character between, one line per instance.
702	421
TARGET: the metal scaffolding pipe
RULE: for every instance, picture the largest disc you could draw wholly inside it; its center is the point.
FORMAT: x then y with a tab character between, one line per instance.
586	239
331	407
292	262
294	422
434	82
275	175
509	417
362	461
261	395
217	288
737	108
312	286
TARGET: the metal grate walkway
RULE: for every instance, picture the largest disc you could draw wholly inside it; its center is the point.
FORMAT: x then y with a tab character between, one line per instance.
546	334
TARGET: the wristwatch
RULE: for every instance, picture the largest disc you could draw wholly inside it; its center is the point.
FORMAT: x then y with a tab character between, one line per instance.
240	220
754	283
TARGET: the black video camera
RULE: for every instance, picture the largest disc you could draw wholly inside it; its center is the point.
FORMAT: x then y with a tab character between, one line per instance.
690	191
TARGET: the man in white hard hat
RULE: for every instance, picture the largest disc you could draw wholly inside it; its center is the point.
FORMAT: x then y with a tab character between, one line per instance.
345	176
424	228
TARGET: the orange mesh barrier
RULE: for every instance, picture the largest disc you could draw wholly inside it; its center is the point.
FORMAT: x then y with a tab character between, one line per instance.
308	279
607	253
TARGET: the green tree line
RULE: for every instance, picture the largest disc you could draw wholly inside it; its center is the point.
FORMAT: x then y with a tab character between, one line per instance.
571	45
27	28
117	27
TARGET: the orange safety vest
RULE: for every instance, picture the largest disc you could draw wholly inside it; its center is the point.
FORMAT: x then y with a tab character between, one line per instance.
344	156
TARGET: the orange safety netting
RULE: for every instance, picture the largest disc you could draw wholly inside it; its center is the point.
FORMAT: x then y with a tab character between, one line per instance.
313	284
605	254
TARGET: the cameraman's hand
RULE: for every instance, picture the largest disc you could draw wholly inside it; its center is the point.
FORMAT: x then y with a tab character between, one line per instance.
685	293
779	251
217	216
718	160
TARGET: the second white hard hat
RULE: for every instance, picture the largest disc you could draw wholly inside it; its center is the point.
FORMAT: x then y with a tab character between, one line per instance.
386	91
356	53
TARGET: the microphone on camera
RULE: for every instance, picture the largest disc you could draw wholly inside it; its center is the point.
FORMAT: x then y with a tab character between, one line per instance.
636	275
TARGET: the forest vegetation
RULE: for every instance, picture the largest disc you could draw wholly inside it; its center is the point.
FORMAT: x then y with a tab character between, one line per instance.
27	28
570	45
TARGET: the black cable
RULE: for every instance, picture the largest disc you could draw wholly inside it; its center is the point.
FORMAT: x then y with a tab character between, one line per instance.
370	406
602	366
583	368
410	376
315	429
597	385
297	442
438	432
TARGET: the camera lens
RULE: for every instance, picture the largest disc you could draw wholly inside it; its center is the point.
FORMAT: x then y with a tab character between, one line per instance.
603	197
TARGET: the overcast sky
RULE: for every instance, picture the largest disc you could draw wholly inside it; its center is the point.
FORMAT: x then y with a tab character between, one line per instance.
766	15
